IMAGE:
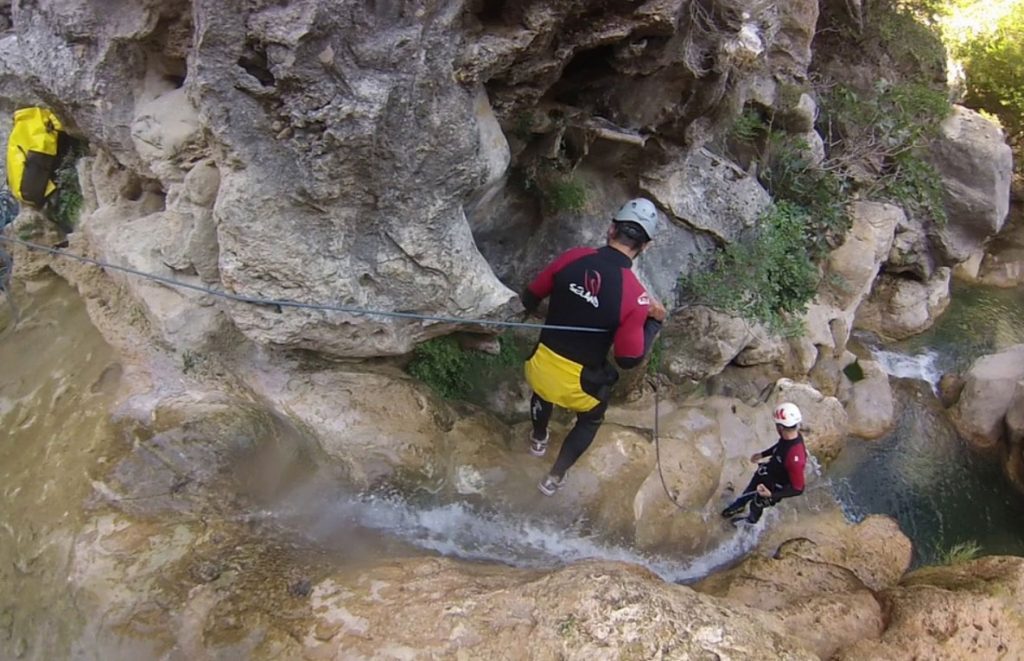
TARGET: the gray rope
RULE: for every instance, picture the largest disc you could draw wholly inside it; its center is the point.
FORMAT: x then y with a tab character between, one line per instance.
284	303
6	268
657	450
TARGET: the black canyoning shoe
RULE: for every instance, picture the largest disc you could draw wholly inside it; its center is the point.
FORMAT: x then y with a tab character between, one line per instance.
538	446
730	512
550	484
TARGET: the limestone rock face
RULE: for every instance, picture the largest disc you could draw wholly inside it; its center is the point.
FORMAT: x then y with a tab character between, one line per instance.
709	194
699	342
309	202
969	610
852	267
980	413
363	114
975	164
486	613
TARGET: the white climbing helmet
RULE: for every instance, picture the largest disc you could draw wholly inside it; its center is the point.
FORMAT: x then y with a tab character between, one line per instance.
640	211
787	415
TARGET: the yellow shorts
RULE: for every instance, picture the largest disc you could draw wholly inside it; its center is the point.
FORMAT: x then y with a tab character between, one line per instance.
556	379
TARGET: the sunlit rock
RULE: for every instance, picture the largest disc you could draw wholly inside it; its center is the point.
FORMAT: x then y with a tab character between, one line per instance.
900	307
869	403
975	163
965	610
989	388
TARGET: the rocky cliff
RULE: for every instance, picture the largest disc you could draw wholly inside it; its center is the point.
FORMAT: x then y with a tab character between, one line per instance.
429	157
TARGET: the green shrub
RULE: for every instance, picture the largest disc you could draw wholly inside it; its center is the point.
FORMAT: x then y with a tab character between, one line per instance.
749	127
441	364
915	185
455	373
565	194
959	553
768	277
908	32
65	205
883	130
818	191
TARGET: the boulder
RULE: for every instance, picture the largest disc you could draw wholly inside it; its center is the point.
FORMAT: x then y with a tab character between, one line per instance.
1002	264
875	550
708	193
822	604
869	402
899	307
789	53
951	385
911	254
975	164
691	464
989	388
799	117
965	611
851	268
697	342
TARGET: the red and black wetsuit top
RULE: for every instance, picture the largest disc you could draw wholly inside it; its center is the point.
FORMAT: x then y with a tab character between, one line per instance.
594	287
785	470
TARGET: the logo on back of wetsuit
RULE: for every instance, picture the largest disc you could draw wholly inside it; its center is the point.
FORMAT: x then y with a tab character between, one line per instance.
590	288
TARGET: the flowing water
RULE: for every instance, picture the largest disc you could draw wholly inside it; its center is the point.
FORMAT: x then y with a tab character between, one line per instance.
942	493
55	394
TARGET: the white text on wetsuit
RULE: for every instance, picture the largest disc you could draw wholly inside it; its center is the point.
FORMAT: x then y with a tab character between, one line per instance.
584	294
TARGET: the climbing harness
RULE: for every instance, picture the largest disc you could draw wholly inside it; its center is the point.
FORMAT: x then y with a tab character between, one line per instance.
285	303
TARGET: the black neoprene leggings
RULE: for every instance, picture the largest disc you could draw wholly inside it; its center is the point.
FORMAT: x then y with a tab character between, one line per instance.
577	441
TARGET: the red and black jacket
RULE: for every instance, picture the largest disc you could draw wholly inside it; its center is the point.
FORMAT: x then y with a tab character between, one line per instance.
595	288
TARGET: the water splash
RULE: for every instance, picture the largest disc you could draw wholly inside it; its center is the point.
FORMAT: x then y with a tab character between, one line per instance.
923	366
469	532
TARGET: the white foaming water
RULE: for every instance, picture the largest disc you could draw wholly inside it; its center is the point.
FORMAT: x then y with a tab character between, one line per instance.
459	530
922	366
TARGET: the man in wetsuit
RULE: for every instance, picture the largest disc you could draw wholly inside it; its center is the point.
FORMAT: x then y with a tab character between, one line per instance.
595	288
781	476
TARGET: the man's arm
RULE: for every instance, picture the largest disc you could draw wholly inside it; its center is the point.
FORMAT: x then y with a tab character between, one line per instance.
763	454
542	285
635	337
795	462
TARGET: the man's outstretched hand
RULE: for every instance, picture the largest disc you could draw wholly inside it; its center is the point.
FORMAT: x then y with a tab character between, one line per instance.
656	311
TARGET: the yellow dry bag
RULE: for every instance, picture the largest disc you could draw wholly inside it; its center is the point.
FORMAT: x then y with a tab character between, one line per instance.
32	154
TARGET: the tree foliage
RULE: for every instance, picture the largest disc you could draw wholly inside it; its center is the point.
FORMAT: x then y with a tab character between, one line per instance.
993	61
